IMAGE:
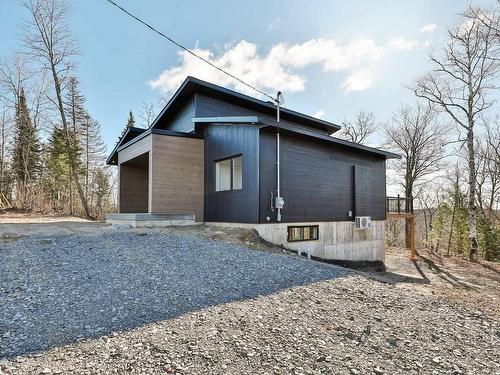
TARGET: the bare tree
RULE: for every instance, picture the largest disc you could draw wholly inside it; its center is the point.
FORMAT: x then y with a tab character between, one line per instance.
49	40
359	130
4	132
147	114
14	74
429	200
488	171
417	135
459	85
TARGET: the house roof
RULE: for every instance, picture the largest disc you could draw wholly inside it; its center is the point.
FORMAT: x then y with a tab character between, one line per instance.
125	141
193	85
296	130
130	133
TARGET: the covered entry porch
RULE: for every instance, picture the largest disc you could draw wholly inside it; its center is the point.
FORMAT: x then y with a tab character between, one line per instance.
160	179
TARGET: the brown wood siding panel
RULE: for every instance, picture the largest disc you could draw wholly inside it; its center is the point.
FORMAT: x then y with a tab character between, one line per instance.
134	188
177	180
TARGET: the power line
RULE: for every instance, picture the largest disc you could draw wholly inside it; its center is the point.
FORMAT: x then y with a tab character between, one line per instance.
189	51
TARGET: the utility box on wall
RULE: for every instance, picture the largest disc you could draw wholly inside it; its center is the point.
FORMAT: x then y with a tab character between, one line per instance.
363	222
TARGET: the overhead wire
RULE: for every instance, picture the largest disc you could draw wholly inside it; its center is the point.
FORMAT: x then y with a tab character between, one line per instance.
190	51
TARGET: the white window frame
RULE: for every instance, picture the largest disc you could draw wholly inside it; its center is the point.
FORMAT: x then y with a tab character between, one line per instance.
233	183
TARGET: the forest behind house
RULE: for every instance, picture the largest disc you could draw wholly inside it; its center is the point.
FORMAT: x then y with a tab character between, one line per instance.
52	155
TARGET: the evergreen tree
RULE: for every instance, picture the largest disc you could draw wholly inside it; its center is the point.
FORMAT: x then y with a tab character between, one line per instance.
438	224
93	148
57	165
489	238
75	113
459	233
26	157
102	190
131	120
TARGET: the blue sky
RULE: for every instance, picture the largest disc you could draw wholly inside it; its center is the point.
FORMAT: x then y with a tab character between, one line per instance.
330	58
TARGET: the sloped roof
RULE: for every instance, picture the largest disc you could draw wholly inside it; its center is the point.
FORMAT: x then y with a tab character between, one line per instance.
130	133
193	85
297	130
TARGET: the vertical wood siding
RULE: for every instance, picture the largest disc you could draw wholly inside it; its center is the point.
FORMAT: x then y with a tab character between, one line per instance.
240	206
317	181
267	162
182	120
211	107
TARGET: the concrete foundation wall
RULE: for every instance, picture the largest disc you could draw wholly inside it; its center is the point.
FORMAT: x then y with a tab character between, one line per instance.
337	240
150	220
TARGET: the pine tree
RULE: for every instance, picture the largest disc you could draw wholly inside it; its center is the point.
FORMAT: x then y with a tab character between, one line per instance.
131	120
489	238
57	165
26	158
75	112
93	148
102	190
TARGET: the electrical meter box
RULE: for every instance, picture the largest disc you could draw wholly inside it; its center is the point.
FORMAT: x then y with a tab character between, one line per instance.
279	202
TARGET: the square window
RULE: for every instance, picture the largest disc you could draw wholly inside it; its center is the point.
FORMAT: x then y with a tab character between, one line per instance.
229	174
223	175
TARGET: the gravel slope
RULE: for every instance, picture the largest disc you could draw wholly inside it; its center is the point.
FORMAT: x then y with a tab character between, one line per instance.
69	287
328	320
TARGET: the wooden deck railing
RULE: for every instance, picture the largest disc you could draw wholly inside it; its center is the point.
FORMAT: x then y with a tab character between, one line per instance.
399	205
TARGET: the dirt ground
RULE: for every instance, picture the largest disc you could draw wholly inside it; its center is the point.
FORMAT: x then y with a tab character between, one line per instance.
475	285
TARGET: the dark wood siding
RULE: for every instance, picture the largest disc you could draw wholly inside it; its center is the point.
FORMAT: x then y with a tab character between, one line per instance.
182	120
241	206
267	162
211	107
134	184
317	181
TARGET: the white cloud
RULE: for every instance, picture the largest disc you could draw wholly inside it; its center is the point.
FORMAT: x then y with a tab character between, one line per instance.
359	81
402	44
429	28
280	68
242	61
319	114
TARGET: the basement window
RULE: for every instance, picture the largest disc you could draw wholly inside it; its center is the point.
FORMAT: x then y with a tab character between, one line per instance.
229	174
303	233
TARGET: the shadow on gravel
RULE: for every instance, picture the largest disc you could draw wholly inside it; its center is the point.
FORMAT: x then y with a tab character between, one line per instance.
59	290
444	274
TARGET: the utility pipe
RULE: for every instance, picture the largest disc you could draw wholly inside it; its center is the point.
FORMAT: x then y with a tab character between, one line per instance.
278	191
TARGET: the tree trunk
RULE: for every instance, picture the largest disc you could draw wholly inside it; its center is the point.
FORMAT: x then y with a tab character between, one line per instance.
408	193
426	229
72	165
472	193
2	157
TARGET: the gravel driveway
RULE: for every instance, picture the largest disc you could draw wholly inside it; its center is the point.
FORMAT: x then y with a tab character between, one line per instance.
58	290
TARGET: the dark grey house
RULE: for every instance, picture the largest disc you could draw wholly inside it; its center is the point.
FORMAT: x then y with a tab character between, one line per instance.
215	155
